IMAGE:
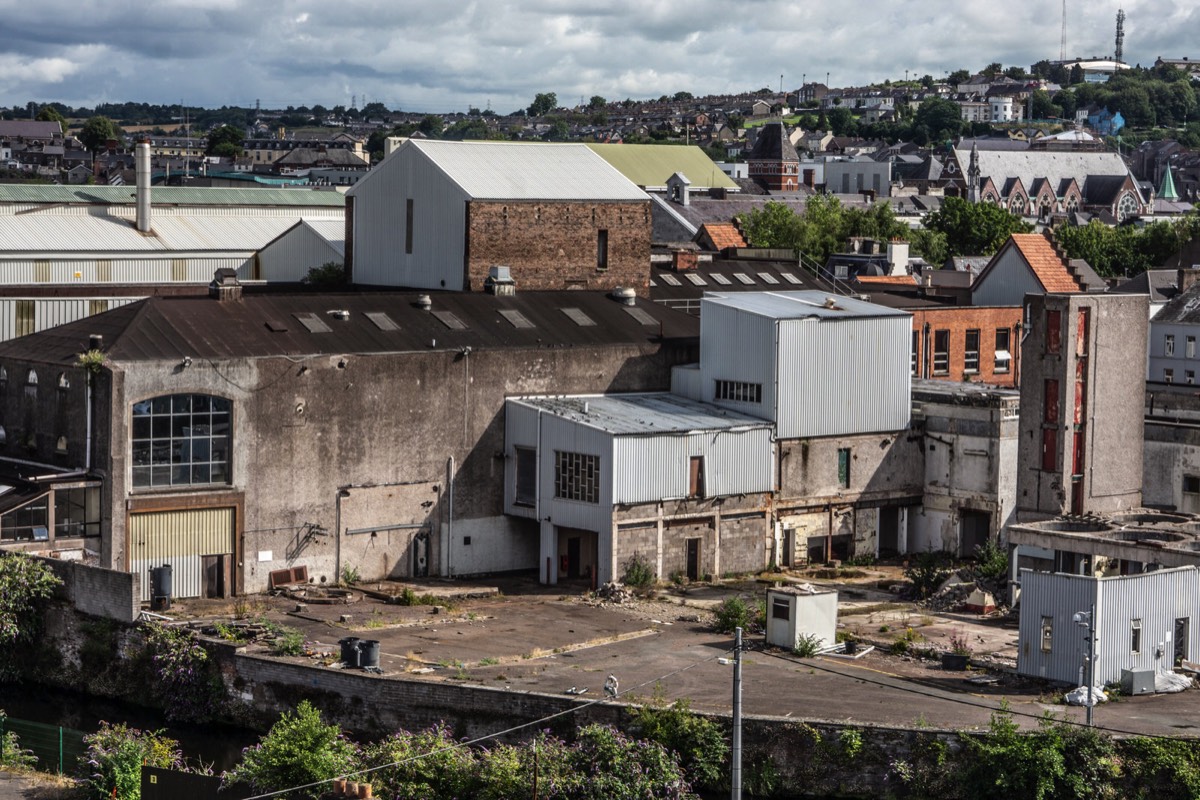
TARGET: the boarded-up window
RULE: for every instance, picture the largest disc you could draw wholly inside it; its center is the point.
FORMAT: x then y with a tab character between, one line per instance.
103	271
179	269
1077	449
526	494
97	307
1053	331
1050	401
41	271
696	476
844	467
1049	449
1081	332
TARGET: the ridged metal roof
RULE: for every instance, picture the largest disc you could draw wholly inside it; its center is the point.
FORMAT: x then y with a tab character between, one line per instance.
54	233
653	164
168	195
801	305
633	414
517	171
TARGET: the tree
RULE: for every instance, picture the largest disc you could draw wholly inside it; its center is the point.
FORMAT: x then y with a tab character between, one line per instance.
774	225
97	131
50	114
432	125
992	70
942	118
1016	73
973	229
543	104
842	122
1043	107
681	97
1076	75
24	583
958	76
299	749
329	274
597	102
225	141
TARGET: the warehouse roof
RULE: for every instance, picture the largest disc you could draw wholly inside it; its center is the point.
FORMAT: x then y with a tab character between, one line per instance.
515	170
801	305
167	195
641	414
650	165
298	324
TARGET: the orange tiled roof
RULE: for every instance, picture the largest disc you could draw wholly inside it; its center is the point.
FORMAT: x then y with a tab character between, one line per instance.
723	234
1045	262
898	280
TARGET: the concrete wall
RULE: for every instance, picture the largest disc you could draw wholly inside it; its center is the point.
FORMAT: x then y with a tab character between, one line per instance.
553	245
381	429
96	591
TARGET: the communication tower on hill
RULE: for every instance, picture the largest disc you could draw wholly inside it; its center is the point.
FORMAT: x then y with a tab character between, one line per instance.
1119	53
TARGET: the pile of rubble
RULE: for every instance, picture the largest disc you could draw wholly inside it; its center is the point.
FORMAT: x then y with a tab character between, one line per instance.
964	593
615	593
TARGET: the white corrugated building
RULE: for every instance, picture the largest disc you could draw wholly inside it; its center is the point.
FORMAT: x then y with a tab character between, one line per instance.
816	364
70	251
439	215
684	485
307	244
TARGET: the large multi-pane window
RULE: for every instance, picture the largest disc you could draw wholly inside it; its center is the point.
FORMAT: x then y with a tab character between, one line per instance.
941	352
77	512
29	523
577	477
971	352
181	440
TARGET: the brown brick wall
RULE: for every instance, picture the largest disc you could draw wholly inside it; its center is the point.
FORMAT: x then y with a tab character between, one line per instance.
958	320
553	245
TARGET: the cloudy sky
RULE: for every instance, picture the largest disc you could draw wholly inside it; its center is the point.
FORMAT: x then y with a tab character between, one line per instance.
451	54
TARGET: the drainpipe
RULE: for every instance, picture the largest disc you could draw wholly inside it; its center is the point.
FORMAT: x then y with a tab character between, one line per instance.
343	491
925	353
87	445
448	566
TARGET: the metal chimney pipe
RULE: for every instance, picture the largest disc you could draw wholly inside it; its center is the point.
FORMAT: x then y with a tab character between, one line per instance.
142	161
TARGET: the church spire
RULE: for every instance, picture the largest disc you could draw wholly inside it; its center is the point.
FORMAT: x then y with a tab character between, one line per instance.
1167	190
973	174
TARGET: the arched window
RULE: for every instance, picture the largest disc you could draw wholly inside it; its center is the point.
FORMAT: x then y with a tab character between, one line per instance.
181	440
63	381
31	379
61	445
1127	207
1016	204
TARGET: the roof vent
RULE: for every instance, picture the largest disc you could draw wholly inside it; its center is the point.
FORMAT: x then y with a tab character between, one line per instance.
339	313
424	302
225	285
625	296
830	303
95	342
499	282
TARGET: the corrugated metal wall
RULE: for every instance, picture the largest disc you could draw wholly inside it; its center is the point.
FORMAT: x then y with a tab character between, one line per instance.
1155	598
439	219
179	538
290	257
148	268
48	313
737	346
844	376
566	436
520	430
686	381
648	468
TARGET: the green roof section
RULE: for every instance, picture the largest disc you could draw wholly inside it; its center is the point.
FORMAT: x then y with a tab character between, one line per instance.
167	195
650	165
1167	190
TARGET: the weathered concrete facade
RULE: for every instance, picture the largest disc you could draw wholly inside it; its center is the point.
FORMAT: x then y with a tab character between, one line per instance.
560	245
386	463
1081	426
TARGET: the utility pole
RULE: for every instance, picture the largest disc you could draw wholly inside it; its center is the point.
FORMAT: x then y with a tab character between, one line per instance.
735	756
1087	621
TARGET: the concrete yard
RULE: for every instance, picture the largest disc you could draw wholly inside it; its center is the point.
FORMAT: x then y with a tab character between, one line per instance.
552	640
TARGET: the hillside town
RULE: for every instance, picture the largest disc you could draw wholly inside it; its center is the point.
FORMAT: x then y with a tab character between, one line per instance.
878	402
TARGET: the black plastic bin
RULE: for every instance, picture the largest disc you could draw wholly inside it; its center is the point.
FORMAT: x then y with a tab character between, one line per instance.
368	653
160	587
350	651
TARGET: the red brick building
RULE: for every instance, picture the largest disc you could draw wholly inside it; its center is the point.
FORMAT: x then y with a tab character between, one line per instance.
967	343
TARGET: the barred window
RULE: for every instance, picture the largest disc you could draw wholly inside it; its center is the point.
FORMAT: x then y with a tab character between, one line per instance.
739	391
577	477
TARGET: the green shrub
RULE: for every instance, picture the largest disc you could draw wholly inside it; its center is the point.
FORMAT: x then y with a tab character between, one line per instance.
927	573
733	612
808	646
639	574
299	749
991	561
288	642
350	575
331	273
114	757
698	742
13	757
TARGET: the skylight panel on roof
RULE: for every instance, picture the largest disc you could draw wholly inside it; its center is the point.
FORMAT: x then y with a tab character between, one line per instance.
516	318
696	279
578	317
275	326
671	280
382	321
314	323
640	315
767	277
653	284
790	278
721	279
744	278
448	319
